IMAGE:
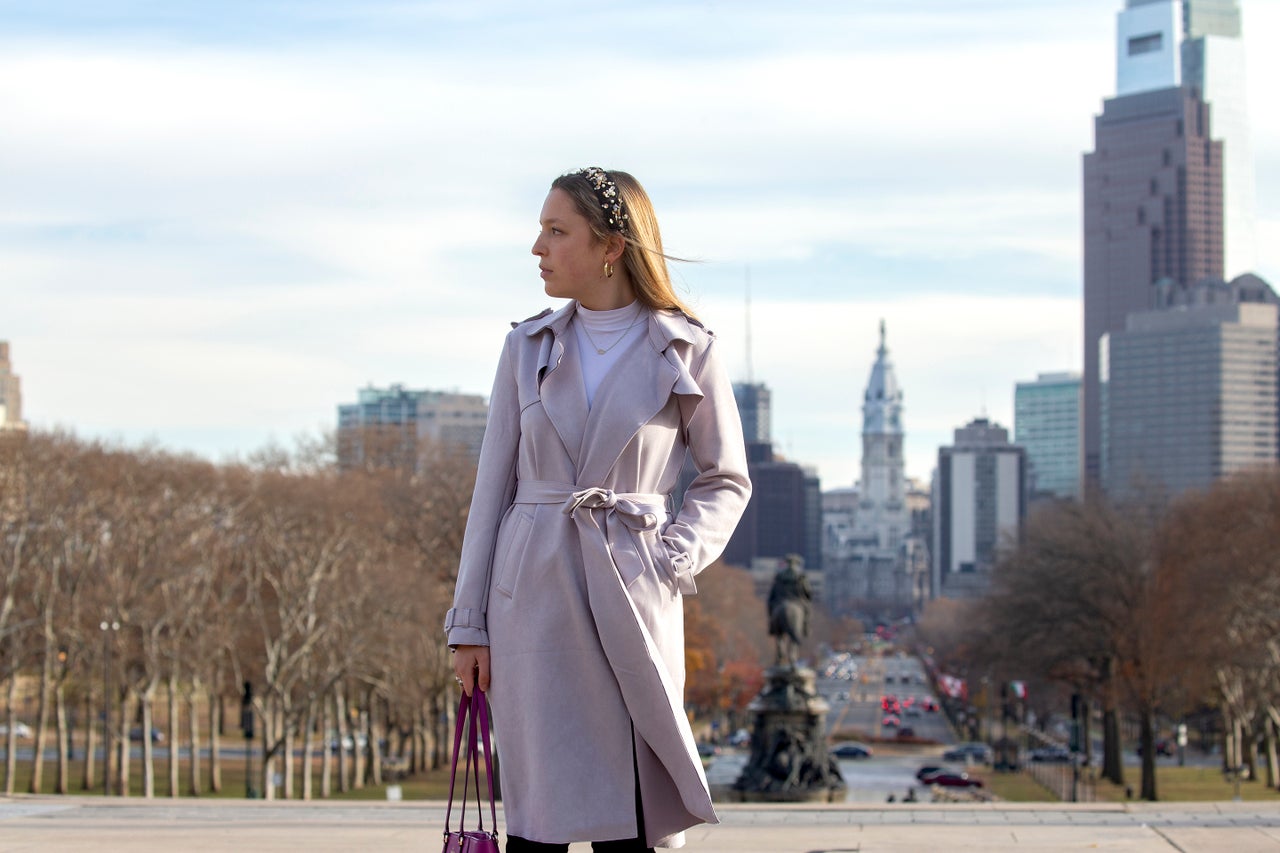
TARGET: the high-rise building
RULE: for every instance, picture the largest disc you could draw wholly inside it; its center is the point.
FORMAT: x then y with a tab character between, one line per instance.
10	393
1189	392
1168	190
385	424
1046	421
783	516
1198	44
754	409
979	499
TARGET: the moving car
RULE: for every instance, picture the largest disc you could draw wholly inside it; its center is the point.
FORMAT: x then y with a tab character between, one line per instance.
20	730
851	750
971	751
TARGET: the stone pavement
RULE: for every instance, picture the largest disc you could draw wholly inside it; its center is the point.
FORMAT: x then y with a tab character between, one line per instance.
140	826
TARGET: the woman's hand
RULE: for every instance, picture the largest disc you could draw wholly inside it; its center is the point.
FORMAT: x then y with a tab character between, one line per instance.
471	663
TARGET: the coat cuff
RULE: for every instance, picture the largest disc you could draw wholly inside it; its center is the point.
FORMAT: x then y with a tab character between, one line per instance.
466	627
682	567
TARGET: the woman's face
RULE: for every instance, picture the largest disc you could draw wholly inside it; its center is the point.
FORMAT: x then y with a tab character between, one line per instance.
570	258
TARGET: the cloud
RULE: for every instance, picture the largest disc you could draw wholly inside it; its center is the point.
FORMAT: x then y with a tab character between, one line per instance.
219	220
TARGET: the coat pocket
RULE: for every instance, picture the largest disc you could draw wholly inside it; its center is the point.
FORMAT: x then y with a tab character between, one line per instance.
513	539
652	559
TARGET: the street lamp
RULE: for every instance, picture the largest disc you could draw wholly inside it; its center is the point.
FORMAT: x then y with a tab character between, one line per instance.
107	628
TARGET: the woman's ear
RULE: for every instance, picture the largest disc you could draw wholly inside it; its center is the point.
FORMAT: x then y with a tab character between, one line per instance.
614	246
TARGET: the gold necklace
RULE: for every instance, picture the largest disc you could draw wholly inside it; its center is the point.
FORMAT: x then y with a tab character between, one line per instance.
599	351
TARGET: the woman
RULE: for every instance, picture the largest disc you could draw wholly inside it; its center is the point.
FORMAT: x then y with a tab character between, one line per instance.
567	610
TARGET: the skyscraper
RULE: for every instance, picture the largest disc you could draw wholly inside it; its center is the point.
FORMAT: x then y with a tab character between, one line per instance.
10	393
784	515
1046	421
1197	44
1153	186
756	413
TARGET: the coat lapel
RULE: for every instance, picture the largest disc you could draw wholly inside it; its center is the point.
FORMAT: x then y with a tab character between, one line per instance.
632	393
564	398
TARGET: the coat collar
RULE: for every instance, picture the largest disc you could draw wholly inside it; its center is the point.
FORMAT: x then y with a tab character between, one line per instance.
665	326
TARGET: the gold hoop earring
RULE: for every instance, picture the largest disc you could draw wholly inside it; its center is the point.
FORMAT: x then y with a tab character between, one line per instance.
608	270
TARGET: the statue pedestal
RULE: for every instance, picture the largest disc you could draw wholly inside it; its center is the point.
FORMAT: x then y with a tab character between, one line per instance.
789	759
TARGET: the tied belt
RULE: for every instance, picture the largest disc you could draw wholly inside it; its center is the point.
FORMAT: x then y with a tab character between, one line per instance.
624	515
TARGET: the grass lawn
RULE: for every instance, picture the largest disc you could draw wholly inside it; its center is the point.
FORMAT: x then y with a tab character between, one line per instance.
1017	788
1187	784
1173	784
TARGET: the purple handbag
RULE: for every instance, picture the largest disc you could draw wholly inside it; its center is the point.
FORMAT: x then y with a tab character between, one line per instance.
473	713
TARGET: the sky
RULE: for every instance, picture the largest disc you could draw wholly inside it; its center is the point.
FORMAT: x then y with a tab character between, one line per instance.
218	221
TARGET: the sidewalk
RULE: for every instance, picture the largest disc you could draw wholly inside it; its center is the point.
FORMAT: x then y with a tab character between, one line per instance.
29	823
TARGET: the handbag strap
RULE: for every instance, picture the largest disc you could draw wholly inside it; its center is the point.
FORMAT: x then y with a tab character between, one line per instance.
480	708
471	772
460	722
473	714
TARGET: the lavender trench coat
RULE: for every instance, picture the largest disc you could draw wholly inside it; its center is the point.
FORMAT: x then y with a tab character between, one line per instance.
572	574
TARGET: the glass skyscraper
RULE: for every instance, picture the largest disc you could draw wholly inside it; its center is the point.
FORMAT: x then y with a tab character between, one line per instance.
1046	421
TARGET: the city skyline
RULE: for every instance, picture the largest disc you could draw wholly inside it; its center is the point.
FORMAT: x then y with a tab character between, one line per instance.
218	223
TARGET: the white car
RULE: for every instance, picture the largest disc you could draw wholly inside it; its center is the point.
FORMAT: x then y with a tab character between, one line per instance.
21	730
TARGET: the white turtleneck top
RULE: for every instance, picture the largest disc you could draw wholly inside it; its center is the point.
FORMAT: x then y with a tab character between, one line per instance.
612	331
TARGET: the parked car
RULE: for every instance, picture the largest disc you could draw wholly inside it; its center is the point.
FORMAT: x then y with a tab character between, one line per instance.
741	737
708	750
971	751
951	779
1050	755
928	769
135	734
851	750
20	730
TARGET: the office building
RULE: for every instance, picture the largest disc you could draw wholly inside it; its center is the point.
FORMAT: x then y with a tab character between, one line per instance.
1198	44
979	503
1046	422
1189	391
783	516
10	393
387	425
754	409
1168	189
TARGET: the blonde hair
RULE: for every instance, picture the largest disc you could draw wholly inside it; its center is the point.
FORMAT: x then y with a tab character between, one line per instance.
642	258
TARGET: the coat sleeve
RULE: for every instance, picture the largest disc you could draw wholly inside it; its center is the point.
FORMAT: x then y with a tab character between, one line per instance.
718	495
465	623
